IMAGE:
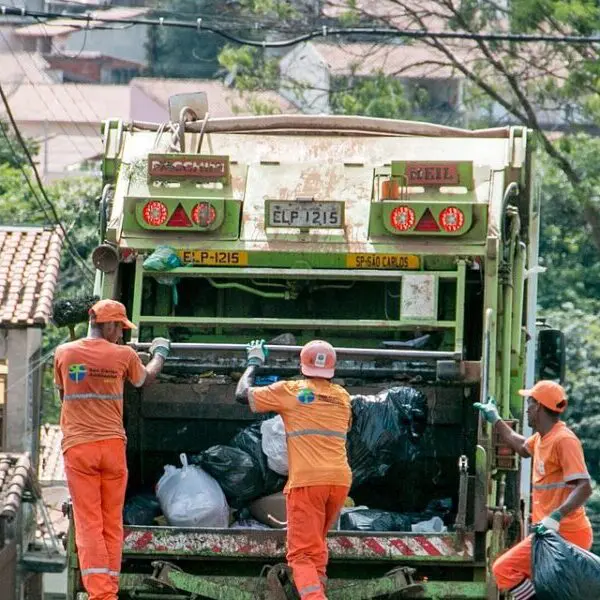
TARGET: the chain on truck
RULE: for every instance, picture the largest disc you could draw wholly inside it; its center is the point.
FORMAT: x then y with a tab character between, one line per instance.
411	247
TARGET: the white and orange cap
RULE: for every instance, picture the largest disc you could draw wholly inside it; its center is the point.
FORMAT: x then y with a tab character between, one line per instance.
317	359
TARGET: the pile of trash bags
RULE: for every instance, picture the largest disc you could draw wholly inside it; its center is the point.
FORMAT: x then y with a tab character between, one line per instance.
386	429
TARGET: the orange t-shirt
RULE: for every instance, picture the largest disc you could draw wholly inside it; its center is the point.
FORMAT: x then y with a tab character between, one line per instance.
558	461
317	417
91	373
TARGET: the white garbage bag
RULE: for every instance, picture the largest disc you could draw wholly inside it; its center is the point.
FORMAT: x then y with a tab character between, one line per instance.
274	444
190	497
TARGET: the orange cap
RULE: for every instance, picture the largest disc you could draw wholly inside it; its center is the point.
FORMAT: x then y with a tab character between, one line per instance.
107	311
549	393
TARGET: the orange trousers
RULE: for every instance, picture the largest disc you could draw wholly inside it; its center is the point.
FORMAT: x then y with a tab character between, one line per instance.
97	477
311	511
514	565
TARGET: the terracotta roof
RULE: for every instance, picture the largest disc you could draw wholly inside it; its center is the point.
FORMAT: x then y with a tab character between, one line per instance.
16	478
58	27
222	101
51	467
24	67
29	267
415	60
69	102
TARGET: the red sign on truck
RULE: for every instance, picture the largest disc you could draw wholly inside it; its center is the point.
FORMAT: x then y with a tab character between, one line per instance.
432	174
188	166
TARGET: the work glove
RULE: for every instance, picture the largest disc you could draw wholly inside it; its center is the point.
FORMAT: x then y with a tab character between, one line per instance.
257	352
550	523
161	346
488	410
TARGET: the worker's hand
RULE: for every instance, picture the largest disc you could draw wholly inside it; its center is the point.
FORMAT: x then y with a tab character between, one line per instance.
257	352
488	410
161	346
550	523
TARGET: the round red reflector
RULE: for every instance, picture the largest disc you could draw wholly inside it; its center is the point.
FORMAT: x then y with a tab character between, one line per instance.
155	213
204	214
452	219
402	218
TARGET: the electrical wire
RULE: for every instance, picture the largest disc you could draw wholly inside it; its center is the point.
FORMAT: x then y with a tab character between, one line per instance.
88	273
324	31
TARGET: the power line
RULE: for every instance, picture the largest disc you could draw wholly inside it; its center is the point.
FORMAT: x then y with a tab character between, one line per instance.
73	251
324	31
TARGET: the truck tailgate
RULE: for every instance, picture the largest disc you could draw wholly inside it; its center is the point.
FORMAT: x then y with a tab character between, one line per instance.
343	546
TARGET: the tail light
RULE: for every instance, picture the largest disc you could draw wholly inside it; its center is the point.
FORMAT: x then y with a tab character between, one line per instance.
155	213
452	219
204	214
402	218
427	222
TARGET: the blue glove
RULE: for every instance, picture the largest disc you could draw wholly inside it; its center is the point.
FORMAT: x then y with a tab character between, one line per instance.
551	523
488	410
257	352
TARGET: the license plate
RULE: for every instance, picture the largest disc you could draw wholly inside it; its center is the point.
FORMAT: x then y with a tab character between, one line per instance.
305	214
214	257
382	261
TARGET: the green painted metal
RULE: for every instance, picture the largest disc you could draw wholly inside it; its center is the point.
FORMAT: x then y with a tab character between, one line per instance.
435	206
188	205
112	131
460	307
250	290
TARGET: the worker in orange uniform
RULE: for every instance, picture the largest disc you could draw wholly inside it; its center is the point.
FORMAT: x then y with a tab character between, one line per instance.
90	375
317	416
560	481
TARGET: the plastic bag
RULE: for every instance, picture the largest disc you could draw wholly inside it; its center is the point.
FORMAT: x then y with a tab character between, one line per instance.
274	444
141	509
238	474
366	519
165	258
386	429
563	570
189	497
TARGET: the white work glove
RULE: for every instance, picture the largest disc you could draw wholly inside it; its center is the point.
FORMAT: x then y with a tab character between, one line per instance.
257	352
488	410
160	346
550	523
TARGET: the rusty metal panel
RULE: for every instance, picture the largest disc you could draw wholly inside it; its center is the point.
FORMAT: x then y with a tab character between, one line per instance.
171	541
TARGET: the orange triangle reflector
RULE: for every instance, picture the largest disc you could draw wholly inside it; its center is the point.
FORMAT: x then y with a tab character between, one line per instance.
427	223
179	218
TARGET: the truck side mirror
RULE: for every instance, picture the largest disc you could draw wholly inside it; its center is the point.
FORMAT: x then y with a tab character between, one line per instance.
551	359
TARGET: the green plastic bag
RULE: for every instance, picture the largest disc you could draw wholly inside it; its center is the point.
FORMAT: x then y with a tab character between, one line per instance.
165	258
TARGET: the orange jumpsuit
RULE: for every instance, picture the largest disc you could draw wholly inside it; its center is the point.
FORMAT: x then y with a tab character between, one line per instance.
90	374
317	417
557	462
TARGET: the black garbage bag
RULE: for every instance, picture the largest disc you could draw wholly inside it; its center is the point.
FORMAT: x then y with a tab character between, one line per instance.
249	440
239	475
367	519
386	429
563	571
141	509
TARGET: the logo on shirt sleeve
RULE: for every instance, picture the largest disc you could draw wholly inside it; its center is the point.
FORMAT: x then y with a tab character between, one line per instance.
306	396
77	372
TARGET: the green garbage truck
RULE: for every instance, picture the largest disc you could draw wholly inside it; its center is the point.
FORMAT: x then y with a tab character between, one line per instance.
411	247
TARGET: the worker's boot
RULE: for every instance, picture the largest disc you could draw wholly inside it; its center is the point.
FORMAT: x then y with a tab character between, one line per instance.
523	591
280	583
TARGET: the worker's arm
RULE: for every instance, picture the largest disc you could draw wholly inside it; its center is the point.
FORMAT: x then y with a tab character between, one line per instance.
153	368
577	498
256	354
245	383
517	442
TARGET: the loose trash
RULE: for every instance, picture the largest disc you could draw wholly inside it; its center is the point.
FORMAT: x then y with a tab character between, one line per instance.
386	429
238	474
248	524
274	444
165	258
433	525
560	565
367	519
141	509
190	497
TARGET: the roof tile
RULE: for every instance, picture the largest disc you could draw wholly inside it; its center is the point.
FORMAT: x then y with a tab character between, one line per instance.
28	274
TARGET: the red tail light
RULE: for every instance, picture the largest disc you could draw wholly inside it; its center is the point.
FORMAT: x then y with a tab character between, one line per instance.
204	214
452	219
402	218
427	222
179	218
155	213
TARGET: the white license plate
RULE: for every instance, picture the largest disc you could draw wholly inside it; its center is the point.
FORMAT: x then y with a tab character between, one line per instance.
305	214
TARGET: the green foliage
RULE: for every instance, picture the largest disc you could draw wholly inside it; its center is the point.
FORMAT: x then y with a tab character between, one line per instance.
252	69
11	153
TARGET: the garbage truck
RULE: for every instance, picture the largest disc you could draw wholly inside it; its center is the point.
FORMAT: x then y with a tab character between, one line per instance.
411	247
